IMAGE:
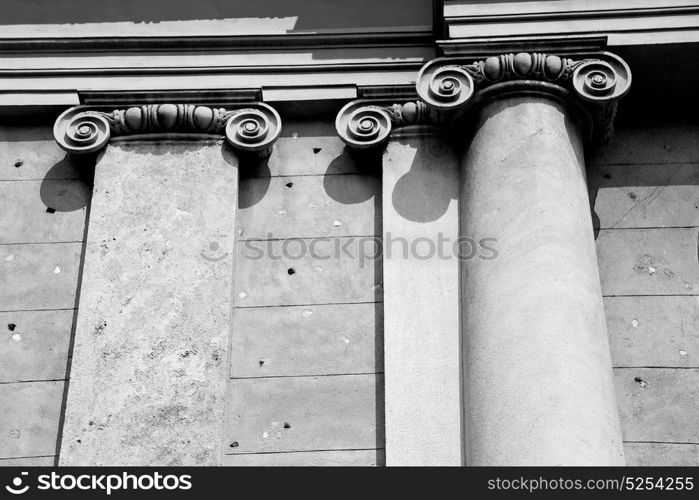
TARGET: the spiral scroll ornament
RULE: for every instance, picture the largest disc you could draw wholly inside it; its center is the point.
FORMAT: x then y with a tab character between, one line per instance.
363	127
81	132
253	129
602	80
445	88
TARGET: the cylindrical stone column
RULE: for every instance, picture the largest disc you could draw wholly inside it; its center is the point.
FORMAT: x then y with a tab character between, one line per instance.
537	370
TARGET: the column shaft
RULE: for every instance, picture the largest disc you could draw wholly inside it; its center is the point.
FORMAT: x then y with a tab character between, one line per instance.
538	383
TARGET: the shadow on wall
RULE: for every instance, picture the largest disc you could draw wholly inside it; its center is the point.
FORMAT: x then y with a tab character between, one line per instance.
368	166
643	171
250	167
62	196
418	196
343	192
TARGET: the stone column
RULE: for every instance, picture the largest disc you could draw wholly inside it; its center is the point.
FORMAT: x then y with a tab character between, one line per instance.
149	366
536	357
537	378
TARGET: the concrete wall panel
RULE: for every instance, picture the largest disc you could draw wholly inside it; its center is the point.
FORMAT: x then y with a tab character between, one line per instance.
309	206
39	276
645	196
44	211
35	345
307	340
30	152
281	278
304	414
29	417
648	261
653	331
658	405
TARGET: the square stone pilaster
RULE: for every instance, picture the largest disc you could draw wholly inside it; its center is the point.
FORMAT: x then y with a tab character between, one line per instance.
148	375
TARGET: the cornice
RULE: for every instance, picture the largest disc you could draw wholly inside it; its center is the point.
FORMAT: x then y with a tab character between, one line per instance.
451	88
208	70
218	97
110	44
248	127
554	44
579	14
646	21
153	82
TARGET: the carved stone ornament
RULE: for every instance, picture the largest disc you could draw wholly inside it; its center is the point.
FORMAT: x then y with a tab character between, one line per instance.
85	129
596	80
366	124
449	83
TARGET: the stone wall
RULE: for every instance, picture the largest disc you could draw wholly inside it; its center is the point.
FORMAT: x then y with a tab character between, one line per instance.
44	201
307	335
644	187
306	384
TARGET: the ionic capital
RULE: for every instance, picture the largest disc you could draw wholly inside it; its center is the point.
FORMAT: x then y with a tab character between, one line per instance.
87	129
594	80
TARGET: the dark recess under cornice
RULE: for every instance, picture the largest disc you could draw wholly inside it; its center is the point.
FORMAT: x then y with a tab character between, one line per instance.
38	46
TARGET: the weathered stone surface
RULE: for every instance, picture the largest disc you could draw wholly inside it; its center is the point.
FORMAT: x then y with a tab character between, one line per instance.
638	196
304	413
34	345
653	331
332	458
43	211
648	261
336	272
29	416
36	276
307	340
538	383
149	363
309	206
662	454
650	143
421	301
658	404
